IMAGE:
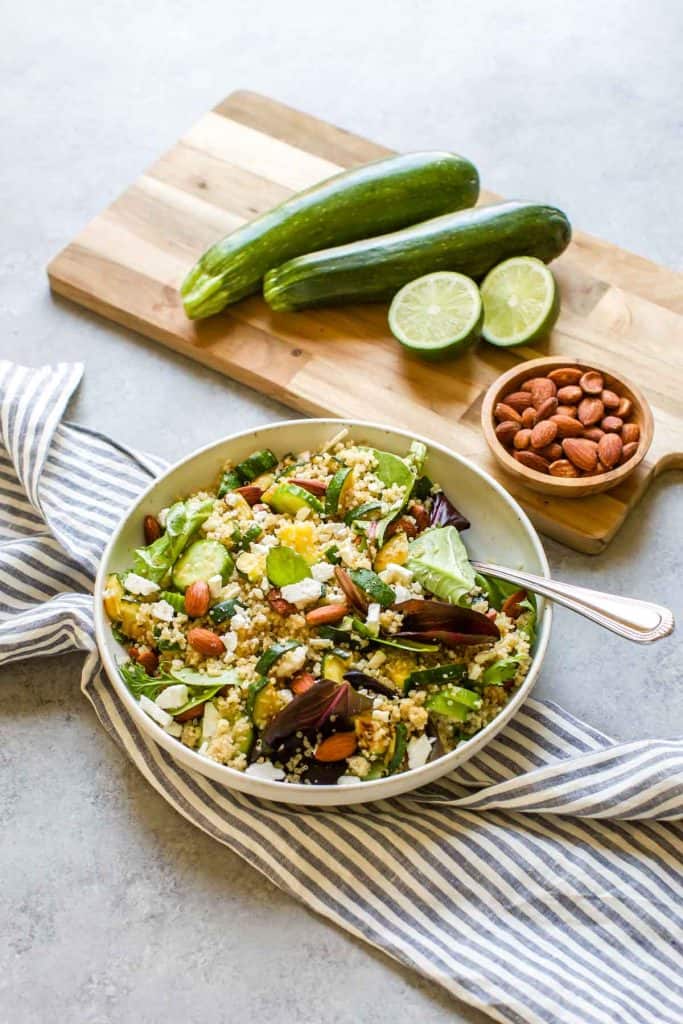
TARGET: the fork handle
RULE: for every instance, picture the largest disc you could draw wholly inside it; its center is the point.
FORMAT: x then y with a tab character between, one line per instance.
640	621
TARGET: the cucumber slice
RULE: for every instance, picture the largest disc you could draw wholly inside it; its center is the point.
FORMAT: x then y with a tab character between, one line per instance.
265	705
336	491
285	565
438	675
399	752
361	510
454	702
256	464
229	481
338	635
269	657
333	667
373	586
253	692
201	561
224	610
288	499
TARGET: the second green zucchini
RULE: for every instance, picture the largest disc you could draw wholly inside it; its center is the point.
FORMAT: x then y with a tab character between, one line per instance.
373	269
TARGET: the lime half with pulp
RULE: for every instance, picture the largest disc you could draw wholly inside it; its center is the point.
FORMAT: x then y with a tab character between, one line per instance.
437	315
521	301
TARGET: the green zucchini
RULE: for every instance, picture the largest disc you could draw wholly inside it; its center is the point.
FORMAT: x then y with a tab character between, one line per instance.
470	242
370	200
273	654
201	561
431	676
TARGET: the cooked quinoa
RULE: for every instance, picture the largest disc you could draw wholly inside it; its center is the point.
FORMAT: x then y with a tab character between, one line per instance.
315	619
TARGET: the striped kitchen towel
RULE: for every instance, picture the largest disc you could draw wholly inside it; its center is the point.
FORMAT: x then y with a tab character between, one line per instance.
540	883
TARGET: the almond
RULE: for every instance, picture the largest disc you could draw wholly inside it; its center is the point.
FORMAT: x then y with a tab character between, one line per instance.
532	461
551	452
541	390
593	433
566	426
277	602
197	599
419	514
336	747
630	432
512	605
522	439
625	408
546	409
529	417
628	451
251	493
506	431
583	453
565	375
327	614
592	383
590	411
504	412
612	424
609	450
564	468
317	488
149	660
519	400
610	399
567	410
570	395
544	433
205	642
151	528
186	716
302	682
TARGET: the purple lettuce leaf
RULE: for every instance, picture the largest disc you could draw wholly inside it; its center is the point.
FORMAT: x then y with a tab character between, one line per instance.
310	710
369	683
423	616
444	513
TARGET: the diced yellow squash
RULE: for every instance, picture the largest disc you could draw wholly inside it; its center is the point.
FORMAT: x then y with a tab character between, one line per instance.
267	703
398	667
301	537
395	550
120	611
252	565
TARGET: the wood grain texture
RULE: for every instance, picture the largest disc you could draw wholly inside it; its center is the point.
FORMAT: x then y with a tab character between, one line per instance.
250	153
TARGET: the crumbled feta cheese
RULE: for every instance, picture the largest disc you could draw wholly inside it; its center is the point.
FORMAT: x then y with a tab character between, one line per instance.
418	751
265	770
240	620
302	593
135	584
162	517
174	729
395	573
374	612
286	696
231	590
322	571
173	697
229	642
215	586
269	541
290	662
158	714
347	780
402	593
232	499
258	548
380	715
210	720
162	611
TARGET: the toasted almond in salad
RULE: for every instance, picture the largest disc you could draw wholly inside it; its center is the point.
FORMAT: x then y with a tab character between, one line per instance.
315	618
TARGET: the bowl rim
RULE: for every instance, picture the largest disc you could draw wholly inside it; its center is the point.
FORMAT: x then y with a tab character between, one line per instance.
603	480
278	791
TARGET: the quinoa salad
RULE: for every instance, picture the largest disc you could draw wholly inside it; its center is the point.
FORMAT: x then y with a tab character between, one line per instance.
314	618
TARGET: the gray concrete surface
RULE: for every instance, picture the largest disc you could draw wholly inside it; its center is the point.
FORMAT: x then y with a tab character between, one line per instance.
113	909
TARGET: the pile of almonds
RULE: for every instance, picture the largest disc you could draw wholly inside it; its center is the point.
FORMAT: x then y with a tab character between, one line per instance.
567	424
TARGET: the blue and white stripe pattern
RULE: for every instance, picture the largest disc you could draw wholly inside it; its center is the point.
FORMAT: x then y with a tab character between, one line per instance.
561	903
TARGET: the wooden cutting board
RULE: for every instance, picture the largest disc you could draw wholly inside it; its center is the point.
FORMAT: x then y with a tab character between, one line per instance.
250	153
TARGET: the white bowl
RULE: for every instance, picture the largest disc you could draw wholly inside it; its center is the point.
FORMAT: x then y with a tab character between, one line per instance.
500	532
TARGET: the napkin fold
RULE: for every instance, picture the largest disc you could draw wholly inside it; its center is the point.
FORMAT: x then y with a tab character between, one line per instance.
541	882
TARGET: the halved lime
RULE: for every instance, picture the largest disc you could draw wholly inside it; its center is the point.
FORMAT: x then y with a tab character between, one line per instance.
521	301
437	315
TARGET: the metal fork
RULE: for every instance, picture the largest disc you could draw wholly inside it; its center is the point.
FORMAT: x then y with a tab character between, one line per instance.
640	621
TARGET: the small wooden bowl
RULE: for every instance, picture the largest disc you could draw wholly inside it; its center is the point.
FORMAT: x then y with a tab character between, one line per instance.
564	487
